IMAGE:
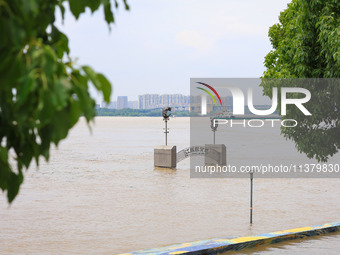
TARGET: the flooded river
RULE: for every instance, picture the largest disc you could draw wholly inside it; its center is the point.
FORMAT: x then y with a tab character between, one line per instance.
101	194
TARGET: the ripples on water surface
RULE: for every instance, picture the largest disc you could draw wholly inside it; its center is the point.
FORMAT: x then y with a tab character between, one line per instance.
101	194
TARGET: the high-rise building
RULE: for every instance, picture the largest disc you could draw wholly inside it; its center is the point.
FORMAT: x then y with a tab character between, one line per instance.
133	104
152	101
122	102
111	105
149	101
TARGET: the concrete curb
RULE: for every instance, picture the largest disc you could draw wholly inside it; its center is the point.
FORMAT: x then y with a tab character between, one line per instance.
215	246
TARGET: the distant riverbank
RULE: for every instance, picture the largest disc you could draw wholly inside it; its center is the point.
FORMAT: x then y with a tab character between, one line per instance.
138	112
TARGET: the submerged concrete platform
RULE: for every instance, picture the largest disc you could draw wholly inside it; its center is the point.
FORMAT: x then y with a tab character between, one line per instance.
216	246
221	149
165	156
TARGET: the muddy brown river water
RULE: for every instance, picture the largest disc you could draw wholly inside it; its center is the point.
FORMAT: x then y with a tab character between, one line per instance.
101	194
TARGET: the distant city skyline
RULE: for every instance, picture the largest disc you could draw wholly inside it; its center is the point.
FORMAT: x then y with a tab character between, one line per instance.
149	101
175	101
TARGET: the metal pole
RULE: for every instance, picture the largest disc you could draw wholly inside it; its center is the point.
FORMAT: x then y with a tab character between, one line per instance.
214	136
251	198
166	132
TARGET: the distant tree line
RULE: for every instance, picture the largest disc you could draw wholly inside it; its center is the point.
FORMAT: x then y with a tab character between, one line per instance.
138	112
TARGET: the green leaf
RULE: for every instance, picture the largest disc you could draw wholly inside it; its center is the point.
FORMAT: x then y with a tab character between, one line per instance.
5	169
93	4
127	7
61	125
92	76
75	112
108	12
105	87
14	183
77	7
100	82
60	42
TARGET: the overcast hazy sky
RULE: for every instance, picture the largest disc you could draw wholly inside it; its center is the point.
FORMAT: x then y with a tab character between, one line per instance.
159	44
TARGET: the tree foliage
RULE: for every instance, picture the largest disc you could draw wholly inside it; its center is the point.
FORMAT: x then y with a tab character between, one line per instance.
306	44
42	92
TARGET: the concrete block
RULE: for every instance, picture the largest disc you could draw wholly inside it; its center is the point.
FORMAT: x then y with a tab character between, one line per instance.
165	156
216	154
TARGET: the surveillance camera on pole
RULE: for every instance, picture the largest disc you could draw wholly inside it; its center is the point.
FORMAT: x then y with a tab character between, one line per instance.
166	112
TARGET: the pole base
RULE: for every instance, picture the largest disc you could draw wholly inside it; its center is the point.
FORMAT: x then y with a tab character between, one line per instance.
165	156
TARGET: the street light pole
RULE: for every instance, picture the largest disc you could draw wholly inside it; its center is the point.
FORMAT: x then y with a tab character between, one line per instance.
251	198
166	131
213	126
